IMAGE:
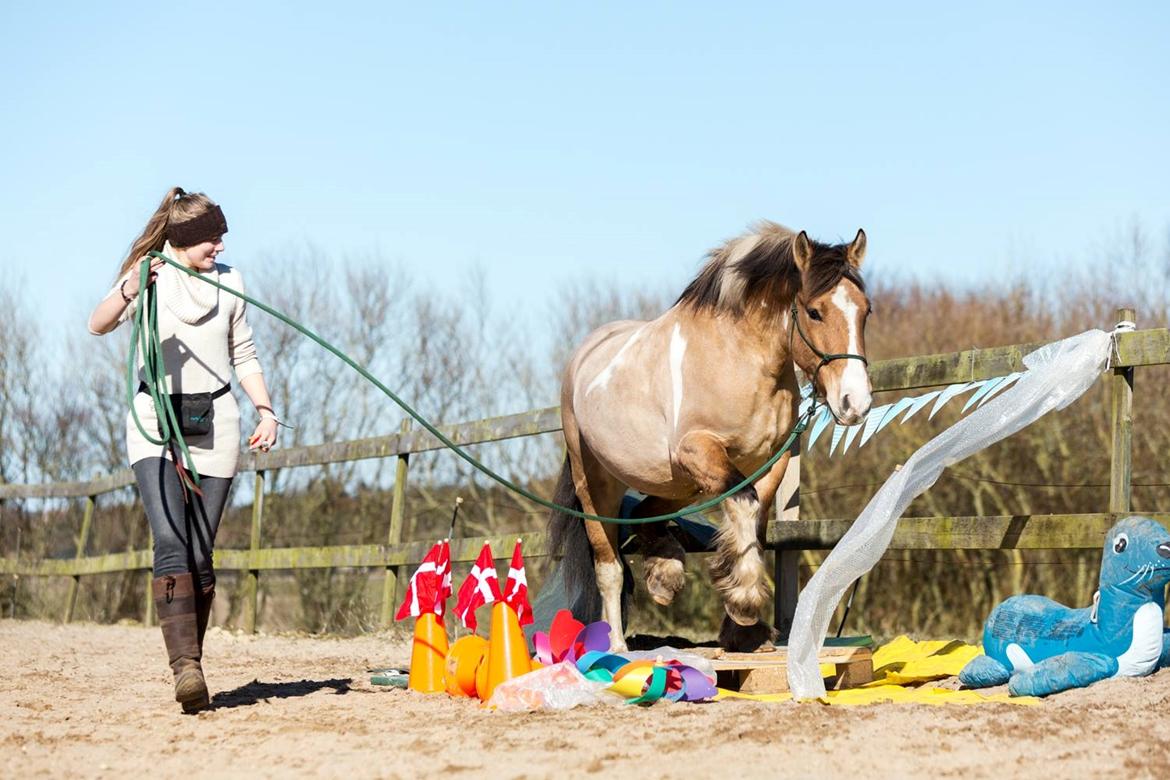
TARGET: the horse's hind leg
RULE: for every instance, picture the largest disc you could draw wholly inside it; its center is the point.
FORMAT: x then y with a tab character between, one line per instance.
738	564
601	495
663	556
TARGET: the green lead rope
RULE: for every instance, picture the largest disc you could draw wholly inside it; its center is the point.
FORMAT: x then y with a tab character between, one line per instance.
144	335
798	429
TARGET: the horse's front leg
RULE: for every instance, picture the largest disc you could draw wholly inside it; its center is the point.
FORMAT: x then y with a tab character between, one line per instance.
737	566
663	557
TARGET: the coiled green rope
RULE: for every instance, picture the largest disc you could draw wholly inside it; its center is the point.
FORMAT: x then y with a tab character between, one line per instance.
798	429
144	335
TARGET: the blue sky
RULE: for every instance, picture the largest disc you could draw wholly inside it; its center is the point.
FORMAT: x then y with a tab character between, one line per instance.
547	142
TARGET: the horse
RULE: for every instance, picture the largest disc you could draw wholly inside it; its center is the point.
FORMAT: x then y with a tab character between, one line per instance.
682	407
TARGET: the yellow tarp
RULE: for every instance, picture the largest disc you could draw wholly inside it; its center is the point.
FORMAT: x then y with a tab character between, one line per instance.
900	669
903	660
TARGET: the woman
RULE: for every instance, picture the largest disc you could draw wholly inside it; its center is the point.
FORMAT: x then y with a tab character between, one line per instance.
205	336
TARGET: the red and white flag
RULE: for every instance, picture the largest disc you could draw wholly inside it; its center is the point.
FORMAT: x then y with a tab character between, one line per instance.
423	594
444	570
482	586
516	588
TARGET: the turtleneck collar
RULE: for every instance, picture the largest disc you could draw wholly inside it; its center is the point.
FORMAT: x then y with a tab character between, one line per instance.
188	298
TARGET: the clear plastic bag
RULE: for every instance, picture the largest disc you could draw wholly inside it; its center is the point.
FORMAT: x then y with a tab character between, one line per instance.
556	687
1057	375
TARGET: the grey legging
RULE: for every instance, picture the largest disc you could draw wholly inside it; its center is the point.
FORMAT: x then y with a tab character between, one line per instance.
184	532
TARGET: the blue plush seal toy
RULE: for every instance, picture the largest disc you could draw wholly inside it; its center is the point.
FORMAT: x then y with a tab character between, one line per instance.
1038	646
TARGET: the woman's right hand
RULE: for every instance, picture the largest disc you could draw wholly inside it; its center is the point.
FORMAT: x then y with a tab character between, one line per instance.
131	287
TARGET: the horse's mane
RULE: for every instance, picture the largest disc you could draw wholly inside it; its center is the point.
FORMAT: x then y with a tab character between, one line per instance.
758	266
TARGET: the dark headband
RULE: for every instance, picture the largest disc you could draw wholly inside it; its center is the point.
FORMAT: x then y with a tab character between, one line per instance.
208	225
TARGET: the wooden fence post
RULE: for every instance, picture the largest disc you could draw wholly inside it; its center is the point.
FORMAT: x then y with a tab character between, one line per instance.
786	572
82	541
252	588
148	610
1121	447
397	512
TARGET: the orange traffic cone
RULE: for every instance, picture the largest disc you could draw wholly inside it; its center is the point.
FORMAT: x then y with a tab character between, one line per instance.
463	662
507	650
428	656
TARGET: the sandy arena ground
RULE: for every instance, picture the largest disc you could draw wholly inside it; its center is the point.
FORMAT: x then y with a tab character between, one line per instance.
94	701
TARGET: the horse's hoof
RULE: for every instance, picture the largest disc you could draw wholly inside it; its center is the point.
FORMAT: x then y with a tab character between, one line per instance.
738	638
745	611
665	579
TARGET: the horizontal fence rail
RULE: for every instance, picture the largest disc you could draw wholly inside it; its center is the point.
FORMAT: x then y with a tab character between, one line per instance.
788	537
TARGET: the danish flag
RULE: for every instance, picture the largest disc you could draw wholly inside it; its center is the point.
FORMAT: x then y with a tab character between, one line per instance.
516	588
482	586
444	568
425	591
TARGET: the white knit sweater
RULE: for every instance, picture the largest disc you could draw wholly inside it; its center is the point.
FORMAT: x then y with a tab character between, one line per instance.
205	335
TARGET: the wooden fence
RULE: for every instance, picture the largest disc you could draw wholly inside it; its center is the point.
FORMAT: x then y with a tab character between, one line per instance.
787	537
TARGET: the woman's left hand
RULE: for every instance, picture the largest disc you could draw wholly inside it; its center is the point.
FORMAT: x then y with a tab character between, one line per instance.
265	436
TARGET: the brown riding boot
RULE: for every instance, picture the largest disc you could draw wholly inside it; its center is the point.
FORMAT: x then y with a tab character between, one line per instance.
174	603
205	601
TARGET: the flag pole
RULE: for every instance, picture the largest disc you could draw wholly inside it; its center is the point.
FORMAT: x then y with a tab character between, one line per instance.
455	516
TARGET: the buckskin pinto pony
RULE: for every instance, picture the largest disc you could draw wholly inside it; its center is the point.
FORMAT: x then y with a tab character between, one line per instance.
683	407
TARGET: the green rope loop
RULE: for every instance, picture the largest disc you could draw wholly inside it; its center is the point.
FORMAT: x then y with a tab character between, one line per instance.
145	330
798	429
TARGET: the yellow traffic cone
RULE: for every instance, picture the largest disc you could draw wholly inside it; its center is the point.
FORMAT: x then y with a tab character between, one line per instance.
507	650
428	656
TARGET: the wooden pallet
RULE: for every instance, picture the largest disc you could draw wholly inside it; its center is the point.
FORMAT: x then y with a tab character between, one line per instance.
767	671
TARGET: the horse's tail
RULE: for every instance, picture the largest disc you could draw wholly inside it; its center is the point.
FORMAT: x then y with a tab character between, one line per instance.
569	542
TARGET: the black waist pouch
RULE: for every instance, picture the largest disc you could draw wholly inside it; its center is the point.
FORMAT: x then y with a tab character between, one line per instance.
194	411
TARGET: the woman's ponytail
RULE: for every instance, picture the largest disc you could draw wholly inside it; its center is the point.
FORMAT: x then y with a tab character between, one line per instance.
154	235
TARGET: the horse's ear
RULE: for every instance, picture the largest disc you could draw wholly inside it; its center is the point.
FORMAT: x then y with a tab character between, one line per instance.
801	251
856	252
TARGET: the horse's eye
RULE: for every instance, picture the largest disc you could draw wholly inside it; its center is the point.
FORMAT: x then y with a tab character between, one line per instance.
869	311
1120	543
813	314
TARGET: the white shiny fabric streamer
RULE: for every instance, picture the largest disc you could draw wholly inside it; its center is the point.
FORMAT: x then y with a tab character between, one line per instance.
1057	374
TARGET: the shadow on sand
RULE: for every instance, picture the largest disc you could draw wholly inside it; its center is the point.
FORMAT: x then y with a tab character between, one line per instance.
256	691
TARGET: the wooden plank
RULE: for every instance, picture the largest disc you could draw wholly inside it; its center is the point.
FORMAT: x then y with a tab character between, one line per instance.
721	659
1143	348
119	479
345	556
1121	438
1037	532
494	429
1019	532
767	672
82	541
932	370
131	560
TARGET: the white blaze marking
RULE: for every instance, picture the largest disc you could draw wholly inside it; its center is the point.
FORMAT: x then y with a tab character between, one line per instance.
1018	657
854	381
602	379
678	346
